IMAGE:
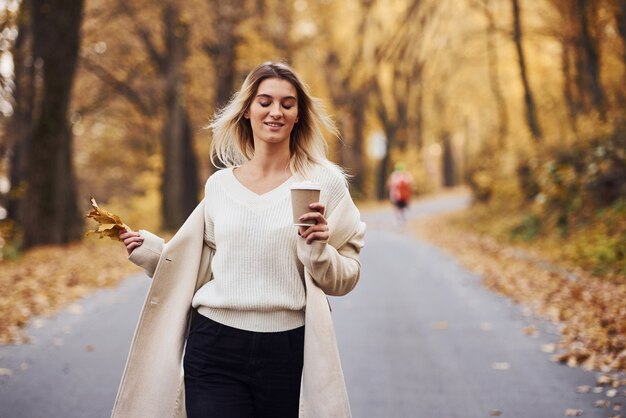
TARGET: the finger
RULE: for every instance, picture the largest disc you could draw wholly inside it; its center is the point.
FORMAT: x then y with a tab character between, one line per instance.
125	235
130	247
314	227
315	216
318	207
132	240
320	228
317	236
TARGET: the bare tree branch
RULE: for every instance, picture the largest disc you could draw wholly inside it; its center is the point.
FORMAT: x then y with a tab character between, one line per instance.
121	86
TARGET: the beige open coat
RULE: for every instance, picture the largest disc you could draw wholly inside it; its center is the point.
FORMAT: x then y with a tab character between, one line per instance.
152	383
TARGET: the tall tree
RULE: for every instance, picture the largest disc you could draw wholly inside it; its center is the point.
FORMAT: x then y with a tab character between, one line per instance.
180	185
221	48
398	100
581	57
51	214
394	119
529	101
179	182
494	79
620	17
19	131
349	87
588	63
447	160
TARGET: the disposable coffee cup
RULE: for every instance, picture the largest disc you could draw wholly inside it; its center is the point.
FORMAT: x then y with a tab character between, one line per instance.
302	195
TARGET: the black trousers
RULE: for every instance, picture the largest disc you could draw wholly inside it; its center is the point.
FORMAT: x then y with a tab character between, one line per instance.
232	373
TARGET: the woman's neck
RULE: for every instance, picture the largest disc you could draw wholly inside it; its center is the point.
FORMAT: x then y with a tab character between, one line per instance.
270	161
263	173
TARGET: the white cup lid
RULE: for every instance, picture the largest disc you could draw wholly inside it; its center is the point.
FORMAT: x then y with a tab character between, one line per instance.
306	185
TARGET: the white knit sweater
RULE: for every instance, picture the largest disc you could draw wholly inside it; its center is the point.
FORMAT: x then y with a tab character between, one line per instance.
258	280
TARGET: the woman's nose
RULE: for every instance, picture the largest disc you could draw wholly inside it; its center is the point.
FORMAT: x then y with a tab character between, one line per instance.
275	111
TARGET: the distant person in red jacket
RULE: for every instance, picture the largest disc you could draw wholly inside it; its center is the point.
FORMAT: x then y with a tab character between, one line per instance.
400	186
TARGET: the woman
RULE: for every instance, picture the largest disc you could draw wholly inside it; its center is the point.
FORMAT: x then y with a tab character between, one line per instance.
261	342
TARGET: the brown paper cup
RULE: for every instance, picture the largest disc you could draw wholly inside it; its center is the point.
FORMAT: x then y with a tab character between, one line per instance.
302	195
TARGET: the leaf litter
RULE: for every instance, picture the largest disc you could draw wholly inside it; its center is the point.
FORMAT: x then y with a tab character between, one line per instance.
591	311
46	279
588	310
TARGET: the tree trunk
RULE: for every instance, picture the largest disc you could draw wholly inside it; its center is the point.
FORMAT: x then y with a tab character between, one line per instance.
494	79
590	67
179	185
384	169
223	50
448	166
531	112
569	87
620	16
51	214
20	126
358	157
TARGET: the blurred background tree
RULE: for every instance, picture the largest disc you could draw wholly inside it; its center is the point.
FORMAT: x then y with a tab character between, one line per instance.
523	101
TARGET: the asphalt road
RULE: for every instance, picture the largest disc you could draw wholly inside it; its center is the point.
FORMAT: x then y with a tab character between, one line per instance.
419	337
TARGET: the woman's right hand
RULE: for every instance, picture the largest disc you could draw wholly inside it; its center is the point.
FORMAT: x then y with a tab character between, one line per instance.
131	240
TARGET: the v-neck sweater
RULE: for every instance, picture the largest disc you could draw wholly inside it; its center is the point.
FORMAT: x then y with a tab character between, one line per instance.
258	280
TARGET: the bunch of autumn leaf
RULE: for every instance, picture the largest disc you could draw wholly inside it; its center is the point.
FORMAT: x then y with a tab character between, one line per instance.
109	225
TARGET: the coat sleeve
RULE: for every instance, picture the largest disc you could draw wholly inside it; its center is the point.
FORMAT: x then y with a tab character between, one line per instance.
335	270
147	255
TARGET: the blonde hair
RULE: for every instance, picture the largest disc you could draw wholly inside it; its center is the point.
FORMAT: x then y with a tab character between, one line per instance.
233	142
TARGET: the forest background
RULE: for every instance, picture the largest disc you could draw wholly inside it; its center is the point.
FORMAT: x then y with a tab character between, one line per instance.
525	102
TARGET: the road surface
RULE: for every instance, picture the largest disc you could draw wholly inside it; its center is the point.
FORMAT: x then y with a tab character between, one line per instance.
419	337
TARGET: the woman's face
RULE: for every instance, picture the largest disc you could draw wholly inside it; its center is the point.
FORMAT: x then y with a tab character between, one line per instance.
273	111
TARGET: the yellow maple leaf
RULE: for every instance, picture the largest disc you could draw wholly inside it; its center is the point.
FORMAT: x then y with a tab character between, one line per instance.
109	225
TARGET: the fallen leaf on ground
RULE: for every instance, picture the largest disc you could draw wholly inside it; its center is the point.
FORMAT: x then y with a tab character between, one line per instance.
75	309
583	389
602	403
47	279
6	372
501	366
486	326
530	330
573	412
548	348
441	325
495	413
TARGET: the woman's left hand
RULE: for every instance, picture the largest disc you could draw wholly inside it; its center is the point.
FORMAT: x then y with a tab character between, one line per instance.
319	231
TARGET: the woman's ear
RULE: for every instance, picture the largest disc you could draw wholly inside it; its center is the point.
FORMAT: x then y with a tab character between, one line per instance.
246	114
